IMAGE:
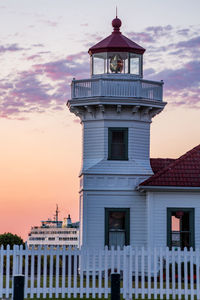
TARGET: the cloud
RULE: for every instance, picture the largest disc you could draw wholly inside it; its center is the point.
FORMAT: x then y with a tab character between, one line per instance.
32	57
28	88
73	57
139	37
159	40
149	72
184	31
189	44
10	48
26	94
37	55
93	38
63	68
150	34
189	100
177	79
43	87
182	86
158	31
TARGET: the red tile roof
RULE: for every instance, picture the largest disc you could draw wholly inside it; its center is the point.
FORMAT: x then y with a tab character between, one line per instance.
181	172
157	164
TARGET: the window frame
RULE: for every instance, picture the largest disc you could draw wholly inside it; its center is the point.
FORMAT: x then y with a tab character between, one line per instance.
127	224
191	211
110	131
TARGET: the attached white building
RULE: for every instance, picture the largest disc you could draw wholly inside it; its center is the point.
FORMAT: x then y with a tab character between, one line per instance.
173	201
116	106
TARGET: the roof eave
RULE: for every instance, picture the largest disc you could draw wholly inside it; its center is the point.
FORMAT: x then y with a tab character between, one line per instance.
143	188
116	49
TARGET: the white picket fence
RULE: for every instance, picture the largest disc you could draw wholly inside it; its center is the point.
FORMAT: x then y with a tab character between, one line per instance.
158	273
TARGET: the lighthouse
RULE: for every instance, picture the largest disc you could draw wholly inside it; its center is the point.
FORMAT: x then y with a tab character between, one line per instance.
115	106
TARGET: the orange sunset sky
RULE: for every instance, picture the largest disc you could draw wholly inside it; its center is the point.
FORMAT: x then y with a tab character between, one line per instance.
44	45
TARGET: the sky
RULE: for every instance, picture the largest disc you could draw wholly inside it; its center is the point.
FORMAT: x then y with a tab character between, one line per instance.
43	45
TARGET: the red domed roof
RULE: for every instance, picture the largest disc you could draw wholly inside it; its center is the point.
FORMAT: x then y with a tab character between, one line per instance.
116	42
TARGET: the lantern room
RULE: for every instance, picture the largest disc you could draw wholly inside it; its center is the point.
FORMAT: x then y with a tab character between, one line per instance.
117	55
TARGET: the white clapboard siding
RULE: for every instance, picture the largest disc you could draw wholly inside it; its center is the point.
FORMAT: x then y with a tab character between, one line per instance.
95	147
158	202
95	206
61	272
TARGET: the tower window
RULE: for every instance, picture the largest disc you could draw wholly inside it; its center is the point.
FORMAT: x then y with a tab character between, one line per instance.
118	143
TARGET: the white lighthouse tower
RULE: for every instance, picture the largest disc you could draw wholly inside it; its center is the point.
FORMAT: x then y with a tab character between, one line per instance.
115	106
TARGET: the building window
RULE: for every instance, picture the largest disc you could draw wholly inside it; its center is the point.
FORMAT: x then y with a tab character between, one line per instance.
180	227
118	143
117	227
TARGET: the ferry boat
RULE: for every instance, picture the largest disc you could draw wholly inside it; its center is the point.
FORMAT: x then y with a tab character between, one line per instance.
54	233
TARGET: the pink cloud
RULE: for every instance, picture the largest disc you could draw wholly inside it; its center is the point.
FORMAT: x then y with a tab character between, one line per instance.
32	57
10	48
94	38
191	43
26	94
186	77
80	55
158	31
184	31
61	69
150	34
182	83
30	91
141	37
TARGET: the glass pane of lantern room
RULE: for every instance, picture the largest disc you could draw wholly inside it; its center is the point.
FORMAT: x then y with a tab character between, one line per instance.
134	64
99	63
117	62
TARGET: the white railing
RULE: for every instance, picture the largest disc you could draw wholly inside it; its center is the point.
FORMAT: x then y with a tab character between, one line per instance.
82	273
111	87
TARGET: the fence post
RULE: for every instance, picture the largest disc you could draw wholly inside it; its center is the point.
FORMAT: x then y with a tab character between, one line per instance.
115	286
18	287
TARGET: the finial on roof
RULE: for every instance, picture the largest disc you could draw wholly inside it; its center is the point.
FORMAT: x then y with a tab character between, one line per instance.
116	23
